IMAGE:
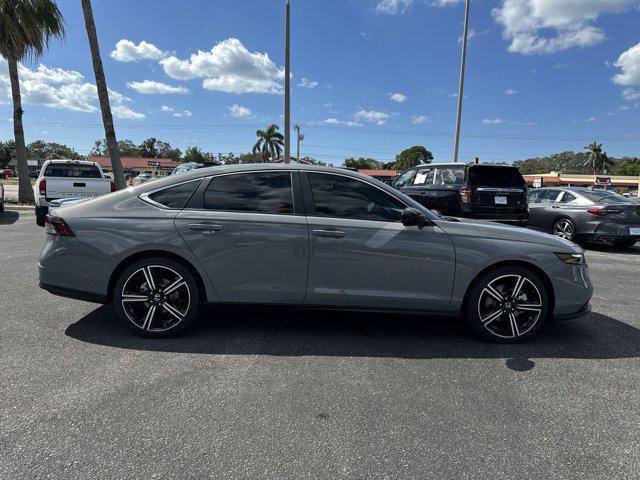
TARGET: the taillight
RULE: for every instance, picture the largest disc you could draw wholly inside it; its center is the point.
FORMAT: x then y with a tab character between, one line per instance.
42	186
113	186
57	226
600	211
465	195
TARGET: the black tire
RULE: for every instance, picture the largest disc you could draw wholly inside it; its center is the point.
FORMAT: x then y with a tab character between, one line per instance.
624	243
41	215
1	206
164	320
481	305
568	233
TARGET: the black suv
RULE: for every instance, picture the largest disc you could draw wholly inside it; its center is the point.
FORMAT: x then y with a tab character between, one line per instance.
486	192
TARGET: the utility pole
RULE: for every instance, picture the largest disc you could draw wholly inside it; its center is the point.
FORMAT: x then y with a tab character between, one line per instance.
287	87
461	89
300	138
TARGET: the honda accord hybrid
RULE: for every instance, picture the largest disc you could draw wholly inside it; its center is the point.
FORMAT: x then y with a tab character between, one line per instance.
305	236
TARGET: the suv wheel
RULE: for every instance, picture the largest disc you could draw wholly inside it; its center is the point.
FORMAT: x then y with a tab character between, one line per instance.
157	297
41	215
507	305
564	228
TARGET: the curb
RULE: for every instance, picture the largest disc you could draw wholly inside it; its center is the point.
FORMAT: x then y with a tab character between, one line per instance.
22	208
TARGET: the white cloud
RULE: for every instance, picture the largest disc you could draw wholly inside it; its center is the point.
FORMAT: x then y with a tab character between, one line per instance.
511	91
62	89
629	63
444	3
549	26
398	97
306	83
418	119
393	7
335	121
175	112
631	94
127	51
492	121
372	116
149	87
228	67
238	111
591	120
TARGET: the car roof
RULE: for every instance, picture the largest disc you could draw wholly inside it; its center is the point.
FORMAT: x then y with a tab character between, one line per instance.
79	162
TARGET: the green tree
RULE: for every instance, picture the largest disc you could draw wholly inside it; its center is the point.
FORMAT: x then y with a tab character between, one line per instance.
51	150
595	157
26	29
128	149
362	163
270	143
7	152
149	148
412	157
628	166
103	94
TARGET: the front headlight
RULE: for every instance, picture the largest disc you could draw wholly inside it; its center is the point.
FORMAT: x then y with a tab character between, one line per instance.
571	258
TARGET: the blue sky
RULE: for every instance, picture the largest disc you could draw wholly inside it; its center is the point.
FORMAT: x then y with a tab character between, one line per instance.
543	76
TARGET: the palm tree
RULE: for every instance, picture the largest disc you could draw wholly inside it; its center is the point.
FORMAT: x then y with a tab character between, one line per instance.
103	96
595	159
606	164
26	28
269	144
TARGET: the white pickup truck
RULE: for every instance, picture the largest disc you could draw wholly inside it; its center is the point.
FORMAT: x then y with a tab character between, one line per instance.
68	179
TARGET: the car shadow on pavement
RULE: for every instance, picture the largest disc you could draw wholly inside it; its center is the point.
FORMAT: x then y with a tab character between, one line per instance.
297	332
9	217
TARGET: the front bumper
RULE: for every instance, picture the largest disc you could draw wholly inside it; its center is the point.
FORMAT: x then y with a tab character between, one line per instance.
585	310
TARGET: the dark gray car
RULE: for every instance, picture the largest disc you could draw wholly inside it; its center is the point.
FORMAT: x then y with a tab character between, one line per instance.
305	236
583	214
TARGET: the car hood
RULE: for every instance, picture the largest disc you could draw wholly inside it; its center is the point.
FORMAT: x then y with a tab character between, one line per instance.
479	228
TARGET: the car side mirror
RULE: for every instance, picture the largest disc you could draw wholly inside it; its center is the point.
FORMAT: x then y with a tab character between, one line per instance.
412	217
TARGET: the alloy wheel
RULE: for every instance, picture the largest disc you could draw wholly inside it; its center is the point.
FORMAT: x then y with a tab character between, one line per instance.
510	306
563	228
155	298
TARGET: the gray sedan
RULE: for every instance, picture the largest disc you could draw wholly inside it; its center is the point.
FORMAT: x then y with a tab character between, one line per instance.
305	236
583	214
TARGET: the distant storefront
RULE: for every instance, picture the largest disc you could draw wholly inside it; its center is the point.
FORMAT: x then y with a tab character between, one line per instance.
134	166
386	176
615	183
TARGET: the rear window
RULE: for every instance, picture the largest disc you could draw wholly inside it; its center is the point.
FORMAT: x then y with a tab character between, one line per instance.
484	176
603	196
72	170
175	197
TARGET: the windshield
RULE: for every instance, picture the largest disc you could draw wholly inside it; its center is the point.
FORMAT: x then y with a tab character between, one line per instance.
490	176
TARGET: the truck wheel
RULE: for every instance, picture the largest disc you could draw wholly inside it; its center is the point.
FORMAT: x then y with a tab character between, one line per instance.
41	214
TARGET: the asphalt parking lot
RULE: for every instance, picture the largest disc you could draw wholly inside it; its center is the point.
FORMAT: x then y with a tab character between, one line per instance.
264	394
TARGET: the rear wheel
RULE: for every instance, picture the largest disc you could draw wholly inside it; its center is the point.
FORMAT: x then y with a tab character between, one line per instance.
564	228
507	305
624	243
41	215
157	297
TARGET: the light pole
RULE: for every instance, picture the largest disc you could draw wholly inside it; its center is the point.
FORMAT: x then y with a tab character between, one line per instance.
461	89
287	88
300	138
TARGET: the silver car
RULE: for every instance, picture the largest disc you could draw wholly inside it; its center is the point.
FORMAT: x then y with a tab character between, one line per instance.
307	236
583	214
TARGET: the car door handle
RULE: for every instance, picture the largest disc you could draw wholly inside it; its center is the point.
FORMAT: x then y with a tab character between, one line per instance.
329	233
205	228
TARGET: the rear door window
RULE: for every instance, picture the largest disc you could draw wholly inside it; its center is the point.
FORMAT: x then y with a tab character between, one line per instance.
252	192
495	177
449	176
567	197
550	196
63	170
534	195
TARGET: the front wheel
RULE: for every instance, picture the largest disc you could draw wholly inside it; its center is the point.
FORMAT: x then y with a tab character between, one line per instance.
507	305
157	297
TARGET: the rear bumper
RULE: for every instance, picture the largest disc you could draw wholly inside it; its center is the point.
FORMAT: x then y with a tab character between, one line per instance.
520	220
75	294
585	310
606	232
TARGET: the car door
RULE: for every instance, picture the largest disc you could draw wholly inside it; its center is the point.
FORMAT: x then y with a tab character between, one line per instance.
249	231
361	255
540	207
